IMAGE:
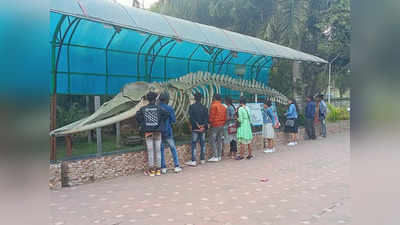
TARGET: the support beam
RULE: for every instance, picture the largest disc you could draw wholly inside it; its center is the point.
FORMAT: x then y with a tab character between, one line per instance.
98	130
88	109
118	134
68	142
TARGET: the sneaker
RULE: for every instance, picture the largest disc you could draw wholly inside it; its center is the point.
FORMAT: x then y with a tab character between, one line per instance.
164	170
202	161
219	158
177	169
152	173
291	144
191	163
213	159
158	172
267	150
239	157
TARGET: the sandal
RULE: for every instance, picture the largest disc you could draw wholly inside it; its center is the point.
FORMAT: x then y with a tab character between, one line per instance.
239	158
250	157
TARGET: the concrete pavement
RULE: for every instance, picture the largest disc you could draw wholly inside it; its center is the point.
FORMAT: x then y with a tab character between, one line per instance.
307	184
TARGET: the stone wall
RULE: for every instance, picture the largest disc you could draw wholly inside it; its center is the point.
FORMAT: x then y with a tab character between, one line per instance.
77	172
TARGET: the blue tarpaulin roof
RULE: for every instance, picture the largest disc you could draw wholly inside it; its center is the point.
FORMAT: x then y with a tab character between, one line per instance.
100	45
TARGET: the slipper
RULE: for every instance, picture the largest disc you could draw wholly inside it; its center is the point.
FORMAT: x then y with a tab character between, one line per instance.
239	158
250	157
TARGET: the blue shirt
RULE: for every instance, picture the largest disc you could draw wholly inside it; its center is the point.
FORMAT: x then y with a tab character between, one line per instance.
166	130
310	110
268	115
291	113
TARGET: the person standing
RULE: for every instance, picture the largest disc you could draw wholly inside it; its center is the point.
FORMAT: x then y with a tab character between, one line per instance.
268	127
230	136
322	114
151	117
244	134
198	116
166	134
217	120
291	123
310	117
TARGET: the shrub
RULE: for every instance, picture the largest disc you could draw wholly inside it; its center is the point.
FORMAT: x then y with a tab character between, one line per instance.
336	114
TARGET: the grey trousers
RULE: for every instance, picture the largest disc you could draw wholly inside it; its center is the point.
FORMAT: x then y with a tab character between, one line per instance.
153	143
216	140
310	128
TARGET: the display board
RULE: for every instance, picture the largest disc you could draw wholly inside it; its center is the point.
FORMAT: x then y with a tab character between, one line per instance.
256	118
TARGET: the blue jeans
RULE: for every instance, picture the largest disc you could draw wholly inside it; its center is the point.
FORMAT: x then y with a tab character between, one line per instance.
197	136
170	141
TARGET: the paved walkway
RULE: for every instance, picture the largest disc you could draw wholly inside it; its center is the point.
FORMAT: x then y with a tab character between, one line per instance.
307	184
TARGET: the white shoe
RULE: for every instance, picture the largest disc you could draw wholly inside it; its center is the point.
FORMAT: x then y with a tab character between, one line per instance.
291	144
177	169
202	161
164	170
191	163
295	143
219	158
267	150
213	159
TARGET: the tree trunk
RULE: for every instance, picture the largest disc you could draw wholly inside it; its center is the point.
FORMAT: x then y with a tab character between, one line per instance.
298	97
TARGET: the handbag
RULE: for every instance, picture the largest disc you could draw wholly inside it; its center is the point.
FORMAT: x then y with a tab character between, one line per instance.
289	123
232	128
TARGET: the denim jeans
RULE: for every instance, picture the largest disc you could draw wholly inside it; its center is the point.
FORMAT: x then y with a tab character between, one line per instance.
153	143
170	141
216	140
323	126
196	137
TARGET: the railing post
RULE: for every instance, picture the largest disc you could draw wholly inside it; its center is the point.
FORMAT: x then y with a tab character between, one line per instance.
98	130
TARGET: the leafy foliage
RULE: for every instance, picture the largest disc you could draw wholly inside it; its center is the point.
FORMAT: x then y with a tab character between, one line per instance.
336	114
319	27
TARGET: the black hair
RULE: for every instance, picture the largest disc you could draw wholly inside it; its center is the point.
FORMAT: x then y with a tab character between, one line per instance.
268	103
242	100
217	97
164	97
228	101
151	96
310	97
321	96
198	96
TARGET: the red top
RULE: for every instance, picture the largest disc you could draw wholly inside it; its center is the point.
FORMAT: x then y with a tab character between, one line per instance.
217	116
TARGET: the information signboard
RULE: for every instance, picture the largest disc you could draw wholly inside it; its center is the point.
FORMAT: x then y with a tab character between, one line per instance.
256	118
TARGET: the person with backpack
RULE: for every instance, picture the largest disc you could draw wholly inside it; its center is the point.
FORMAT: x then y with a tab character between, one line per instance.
268	126
231	129
322	114
166	134
217	119
198	117
244	134
151	119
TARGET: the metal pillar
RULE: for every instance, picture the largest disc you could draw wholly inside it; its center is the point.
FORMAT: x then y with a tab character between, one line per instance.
118	134
329	83
98	130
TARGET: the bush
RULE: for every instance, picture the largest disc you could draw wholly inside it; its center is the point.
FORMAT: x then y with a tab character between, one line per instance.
336	114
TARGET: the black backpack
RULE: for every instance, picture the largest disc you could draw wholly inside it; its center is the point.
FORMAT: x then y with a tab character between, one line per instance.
151	118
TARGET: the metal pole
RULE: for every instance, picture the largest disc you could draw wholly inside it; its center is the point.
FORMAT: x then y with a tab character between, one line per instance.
118	134
329	83
98	130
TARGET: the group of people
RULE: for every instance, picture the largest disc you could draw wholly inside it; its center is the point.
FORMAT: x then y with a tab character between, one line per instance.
226	124
315	114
